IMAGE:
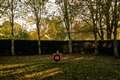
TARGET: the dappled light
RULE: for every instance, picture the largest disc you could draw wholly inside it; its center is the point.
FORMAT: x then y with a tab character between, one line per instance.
83	58
20	70
19	60
25	68
8	66
80	58
59	39
51	74
77	66
67	57
43	74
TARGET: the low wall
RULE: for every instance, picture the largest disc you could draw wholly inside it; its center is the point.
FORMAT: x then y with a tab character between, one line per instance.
30	47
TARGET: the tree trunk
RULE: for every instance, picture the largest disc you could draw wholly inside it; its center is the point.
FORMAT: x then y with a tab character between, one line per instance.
12	30
38	30
39	43
115	45
39	47
94	16
95	24
107	17
108	29
115	17
95	36
12	47
67	24
70	43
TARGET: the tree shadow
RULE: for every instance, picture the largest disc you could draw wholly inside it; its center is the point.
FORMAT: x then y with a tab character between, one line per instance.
18	72
46	74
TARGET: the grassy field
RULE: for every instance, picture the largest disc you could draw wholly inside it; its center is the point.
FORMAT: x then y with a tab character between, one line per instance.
71	67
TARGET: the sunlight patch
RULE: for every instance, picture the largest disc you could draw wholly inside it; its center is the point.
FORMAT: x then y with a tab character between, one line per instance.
7	66
79	58
66	58
52	74
45	73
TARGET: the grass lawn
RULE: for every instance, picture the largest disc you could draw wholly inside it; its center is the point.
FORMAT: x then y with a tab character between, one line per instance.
71	67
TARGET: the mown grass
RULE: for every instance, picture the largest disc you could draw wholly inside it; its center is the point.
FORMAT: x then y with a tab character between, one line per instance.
71	67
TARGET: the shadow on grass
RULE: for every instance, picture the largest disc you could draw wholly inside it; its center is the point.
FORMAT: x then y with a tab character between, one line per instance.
16	72
70	68
44	74
22	71
28	75
15	66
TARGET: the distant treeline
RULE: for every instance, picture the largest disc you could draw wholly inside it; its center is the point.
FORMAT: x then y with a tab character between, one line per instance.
30	47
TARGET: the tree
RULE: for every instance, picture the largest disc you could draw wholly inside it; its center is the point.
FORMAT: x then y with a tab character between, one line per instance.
9	11
105	11
5	31
64	5
111	14
82	31
100	19
36	6
55	29
107	6
94	17
33	35
67	23
115	26
3	7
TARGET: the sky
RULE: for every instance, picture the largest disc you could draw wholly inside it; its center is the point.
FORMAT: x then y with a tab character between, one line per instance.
51	8
52	0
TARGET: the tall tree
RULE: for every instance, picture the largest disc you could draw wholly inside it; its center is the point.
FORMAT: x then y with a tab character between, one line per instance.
105	11
100	19
115	18
67	17
12	25
36	6
10	13
111	14
94	17
107	4
67	23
